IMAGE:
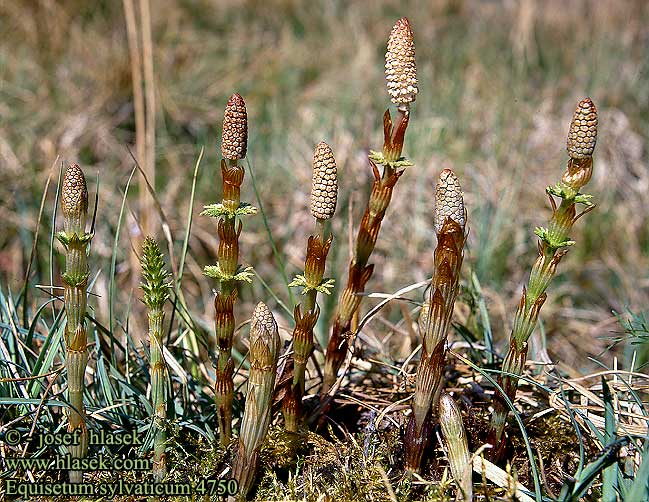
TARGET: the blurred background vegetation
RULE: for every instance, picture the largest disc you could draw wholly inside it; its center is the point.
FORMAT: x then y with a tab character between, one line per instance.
499	81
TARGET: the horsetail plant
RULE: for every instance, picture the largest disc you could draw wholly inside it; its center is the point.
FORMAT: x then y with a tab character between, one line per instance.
324	194
156	293
457	448
264	352
228	271
552	246
435	317
401	75
76	243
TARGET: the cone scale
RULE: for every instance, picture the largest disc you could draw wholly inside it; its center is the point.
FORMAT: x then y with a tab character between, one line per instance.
554	242
324	196
228	271
435	317
401	78
75	241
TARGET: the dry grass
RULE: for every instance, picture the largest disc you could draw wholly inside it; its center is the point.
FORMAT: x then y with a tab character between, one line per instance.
498	84
496	96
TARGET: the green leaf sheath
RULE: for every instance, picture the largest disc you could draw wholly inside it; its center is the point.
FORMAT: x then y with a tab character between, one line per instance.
156	285
158	393
76	242
552	246
306	315
228	271
401	79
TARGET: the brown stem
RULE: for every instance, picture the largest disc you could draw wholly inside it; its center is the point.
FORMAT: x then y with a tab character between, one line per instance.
514	363
417	441
223	396
343	334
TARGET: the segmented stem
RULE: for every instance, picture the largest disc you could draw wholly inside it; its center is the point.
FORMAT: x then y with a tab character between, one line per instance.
435	316
75	240
553	245
401	75
156	292
264	352
324	195
228	271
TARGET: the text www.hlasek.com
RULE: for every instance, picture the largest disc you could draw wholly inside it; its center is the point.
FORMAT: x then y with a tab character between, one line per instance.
67	462
203	487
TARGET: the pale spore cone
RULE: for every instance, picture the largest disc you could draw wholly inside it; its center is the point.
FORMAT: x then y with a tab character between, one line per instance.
400	65
74	200
449	201
582	135
234	143
324	187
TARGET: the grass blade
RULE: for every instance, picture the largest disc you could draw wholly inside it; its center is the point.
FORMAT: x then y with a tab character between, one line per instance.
640	488
280	263
484	318
610	474
113	265
586	477
528	447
